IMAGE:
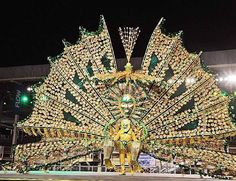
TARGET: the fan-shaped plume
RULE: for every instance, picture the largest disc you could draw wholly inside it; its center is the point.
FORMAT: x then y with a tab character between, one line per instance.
178	112
129	37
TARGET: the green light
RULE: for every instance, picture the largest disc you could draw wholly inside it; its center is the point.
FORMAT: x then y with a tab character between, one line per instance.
235	93
24	99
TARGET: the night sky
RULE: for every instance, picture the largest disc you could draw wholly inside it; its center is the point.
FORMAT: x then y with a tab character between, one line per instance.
32	30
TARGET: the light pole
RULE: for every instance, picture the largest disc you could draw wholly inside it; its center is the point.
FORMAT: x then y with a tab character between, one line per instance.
16	118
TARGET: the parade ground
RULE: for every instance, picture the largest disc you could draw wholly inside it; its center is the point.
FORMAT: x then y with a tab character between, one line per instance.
61	175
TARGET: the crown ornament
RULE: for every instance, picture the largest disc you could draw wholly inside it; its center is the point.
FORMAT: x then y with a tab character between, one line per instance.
129	36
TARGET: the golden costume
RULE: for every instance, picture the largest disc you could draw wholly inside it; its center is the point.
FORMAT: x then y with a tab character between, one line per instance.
170	108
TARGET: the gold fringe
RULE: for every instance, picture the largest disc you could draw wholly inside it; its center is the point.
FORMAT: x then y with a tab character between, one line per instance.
39	131
191	140
59	134
85	136
199	140
46	134
52	132
177	141
27	130
33	131
71	134
65	133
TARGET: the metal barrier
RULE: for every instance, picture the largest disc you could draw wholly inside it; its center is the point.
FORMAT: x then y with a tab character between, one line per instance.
83	168
91	168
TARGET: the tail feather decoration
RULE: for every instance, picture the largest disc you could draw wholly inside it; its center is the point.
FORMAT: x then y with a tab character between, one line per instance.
177	103
129	37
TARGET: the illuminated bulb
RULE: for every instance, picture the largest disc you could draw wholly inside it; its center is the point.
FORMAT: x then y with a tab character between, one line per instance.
170	81
190	80
29	89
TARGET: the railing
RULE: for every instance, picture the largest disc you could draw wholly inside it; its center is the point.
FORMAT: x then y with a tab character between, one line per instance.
90	168
84	168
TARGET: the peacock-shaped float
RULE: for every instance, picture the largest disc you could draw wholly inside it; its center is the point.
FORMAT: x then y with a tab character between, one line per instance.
171	108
